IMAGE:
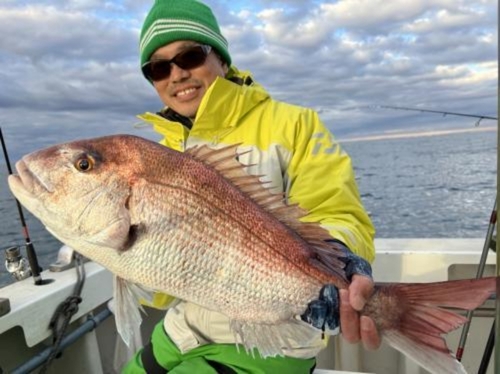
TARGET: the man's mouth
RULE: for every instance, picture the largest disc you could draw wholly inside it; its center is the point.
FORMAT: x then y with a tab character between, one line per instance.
185	92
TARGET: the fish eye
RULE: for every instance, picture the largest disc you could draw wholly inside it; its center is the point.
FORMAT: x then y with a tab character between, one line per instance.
84	164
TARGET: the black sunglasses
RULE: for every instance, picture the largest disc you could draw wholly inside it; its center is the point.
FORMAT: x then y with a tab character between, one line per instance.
157	70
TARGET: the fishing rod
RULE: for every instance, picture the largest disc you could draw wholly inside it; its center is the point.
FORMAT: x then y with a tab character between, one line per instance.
30	249
444	113
479	274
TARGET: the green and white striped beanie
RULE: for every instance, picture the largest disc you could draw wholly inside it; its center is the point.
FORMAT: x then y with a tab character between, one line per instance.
172	20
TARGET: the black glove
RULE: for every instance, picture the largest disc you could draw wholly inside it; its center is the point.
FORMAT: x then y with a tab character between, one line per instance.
353	263
324	312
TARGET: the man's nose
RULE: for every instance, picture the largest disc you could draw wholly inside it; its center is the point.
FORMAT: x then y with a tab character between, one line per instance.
177	73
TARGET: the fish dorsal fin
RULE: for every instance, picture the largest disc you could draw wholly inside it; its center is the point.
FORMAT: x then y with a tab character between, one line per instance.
225	161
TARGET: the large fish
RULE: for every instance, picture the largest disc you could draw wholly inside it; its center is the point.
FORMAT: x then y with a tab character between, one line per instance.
196	226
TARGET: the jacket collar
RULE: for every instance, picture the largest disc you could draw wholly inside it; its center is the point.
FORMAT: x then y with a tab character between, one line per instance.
223	105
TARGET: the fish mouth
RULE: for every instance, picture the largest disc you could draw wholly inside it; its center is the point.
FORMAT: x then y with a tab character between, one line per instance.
27	180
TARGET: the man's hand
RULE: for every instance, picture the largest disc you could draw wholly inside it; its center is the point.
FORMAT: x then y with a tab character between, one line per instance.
326	311
356	328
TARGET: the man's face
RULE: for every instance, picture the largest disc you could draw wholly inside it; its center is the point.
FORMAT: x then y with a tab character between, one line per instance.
183	90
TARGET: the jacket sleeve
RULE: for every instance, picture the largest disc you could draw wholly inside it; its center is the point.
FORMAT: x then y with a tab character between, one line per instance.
321	180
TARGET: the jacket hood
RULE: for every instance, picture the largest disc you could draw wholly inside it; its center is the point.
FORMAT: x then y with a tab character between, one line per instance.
227	100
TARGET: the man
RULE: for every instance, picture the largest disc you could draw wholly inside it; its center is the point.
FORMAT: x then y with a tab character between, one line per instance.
208	101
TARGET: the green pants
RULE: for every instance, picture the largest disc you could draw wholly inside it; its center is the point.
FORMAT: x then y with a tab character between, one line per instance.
195	361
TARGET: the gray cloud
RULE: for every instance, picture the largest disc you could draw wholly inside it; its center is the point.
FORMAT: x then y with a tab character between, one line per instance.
74	64
439	54
38	33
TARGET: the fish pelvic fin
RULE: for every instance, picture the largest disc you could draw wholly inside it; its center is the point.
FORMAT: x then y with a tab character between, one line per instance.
127	310
412	319
272	340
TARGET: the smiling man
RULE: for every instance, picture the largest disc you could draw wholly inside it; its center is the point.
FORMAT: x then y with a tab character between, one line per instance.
191	72
209	101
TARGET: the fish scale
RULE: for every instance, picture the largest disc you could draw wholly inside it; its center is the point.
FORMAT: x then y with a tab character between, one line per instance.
215	257
196	226
205	217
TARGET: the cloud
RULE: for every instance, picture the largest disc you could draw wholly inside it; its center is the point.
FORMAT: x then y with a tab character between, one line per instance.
39	32
63	60
75	63
368	52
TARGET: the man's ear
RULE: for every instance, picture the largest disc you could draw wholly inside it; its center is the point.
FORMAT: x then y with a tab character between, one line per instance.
224	65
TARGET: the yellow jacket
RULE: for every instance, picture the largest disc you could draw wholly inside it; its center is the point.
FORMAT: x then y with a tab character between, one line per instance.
290	146
292	149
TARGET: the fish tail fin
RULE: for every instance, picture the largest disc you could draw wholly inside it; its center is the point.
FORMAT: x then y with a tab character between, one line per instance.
412	317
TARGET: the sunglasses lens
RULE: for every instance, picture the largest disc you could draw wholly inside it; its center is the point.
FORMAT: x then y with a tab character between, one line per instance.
157	70
191	58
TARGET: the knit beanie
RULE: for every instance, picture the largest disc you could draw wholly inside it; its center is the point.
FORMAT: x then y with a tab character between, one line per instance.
172	20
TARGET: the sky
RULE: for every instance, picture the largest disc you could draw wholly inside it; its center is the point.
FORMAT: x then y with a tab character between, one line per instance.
70	69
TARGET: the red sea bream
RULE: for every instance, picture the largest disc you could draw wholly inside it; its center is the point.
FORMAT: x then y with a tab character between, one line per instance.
196	226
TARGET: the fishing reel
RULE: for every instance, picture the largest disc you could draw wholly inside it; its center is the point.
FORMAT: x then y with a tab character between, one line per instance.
16	264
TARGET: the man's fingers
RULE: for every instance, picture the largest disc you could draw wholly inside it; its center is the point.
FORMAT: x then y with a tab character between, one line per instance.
369	334
360	290
349	319
355	327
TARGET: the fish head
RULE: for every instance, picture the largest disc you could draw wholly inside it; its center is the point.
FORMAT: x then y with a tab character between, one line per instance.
80	190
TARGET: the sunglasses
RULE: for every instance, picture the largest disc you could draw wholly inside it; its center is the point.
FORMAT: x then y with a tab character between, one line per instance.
157	70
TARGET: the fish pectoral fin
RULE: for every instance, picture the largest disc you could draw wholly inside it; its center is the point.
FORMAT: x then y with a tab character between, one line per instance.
134	232
118	235
274	339
128	310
